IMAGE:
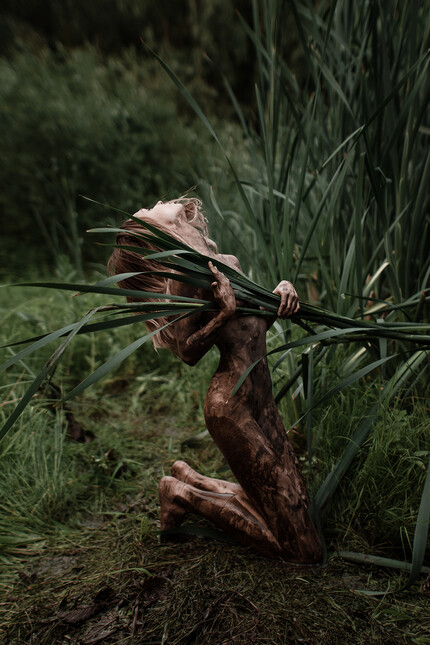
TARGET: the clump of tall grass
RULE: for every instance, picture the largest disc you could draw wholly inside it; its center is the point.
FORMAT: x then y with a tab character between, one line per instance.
378	499
336	197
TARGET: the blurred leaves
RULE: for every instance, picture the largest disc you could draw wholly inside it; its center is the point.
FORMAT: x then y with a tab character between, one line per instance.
74	123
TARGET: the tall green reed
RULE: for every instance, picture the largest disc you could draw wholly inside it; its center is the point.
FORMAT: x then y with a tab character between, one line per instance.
337	195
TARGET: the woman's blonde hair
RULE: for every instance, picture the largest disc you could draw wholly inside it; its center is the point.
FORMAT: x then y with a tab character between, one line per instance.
125	261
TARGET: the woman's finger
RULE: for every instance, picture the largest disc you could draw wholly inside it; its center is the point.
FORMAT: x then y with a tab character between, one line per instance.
213	269
220	278
283	303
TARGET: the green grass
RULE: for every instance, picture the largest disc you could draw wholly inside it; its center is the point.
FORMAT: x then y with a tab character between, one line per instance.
79	521
374	493
84	518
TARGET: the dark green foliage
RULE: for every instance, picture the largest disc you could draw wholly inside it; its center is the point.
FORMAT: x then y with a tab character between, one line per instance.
76	124
185	30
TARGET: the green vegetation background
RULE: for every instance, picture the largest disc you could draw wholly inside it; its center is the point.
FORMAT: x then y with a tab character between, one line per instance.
85	110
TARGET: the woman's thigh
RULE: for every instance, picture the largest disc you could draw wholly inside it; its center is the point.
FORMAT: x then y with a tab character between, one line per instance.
270	476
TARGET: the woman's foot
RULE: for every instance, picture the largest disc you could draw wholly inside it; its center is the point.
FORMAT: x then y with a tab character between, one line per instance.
186	474
172	512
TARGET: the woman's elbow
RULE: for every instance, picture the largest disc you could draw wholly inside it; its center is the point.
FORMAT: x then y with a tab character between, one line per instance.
188	356
190	360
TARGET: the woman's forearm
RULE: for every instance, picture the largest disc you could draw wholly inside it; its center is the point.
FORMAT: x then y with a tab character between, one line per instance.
195	346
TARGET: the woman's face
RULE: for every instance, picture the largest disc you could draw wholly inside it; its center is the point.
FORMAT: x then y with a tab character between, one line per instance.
173	218
165	215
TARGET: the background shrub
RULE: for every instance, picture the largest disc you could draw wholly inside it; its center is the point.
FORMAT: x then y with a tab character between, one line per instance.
76	124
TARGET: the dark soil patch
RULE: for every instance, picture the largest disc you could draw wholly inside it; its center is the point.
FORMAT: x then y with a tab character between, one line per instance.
201	592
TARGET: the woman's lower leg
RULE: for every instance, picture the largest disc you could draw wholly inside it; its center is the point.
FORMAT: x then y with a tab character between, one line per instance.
225	510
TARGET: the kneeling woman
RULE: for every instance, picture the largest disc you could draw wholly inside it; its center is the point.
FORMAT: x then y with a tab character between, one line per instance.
268	507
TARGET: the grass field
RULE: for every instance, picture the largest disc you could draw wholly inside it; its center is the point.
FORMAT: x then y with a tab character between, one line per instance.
81	556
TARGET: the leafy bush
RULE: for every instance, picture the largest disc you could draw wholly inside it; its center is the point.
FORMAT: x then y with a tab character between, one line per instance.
74	124
183	30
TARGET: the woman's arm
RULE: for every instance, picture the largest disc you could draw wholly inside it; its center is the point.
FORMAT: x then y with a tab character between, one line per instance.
192	344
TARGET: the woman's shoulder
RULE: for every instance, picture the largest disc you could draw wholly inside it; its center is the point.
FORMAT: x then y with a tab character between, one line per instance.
230	260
